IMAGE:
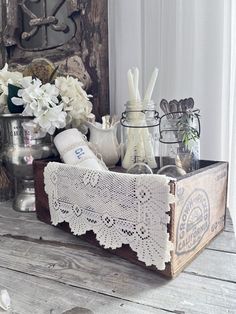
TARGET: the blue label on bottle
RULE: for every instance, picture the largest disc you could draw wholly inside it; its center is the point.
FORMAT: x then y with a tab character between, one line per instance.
79	152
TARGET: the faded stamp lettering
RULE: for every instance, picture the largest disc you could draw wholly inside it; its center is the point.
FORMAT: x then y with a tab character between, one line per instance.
218	225
194	221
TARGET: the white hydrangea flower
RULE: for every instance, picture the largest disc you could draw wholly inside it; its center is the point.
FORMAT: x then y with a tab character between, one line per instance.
51	119
7	77
36	97
75	99
52	105
41	101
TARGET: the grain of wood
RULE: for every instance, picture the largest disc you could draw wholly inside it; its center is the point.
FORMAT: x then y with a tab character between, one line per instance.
214	264
6	211
225	242
199	212
37	230
32	295
80	266
111	275
28	226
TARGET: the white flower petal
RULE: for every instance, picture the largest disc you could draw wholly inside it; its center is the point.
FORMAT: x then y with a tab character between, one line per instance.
5	301
17	101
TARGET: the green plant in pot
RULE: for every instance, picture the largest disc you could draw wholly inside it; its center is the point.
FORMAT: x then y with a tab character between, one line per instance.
179	137
188	133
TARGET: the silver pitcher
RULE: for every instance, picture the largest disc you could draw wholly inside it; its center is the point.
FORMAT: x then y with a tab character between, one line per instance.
19	150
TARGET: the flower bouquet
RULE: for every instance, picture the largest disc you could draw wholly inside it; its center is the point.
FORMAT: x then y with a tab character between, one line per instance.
32	109
54	105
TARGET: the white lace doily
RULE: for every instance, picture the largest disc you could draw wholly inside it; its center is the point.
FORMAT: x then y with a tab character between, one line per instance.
118	208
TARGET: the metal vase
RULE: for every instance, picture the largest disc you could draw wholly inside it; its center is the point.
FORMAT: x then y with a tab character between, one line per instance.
19	150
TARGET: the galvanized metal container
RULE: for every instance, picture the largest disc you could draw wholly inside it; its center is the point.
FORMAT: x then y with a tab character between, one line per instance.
19	150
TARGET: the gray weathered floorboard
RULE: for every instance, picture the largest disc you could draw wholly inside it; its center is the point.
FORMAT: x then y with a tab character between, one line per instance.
65	272
111	275
215	264
36	230
225	242
6	211
30	294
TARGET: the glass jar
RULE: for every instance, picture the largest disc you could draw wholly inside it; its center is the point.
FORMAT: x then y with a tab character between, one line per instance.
139	134
179	140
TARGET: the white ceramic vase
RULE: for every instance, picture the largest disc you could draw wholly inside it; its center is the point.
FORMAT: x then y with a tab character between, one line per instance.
105	142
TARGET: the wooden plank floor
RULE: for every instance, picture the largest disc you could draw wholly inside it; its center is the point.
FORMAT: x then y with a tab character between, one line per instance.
46	270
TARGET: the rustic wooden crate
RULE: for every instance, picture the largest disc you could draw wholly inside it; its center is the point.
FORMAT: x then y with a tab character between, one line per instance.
196	217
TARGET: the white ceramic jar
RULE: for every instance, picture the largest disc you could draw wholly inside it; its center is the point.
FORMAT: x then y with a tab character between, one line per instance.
73	149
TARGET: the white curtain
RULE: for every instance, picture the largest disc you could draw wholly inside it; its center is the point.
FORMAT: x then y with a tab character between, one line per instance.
193	43
231	129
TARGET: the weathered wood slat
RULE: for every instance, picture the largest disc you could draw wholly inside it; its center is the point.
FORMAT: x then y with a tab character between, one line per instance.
40	296
225	242
26	225
214	264
6	211
111	275
37	230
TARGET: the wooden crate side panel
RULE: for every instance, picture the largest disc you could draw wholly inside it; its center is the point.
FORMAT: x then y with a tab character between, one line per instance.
43	214
169	271
199	212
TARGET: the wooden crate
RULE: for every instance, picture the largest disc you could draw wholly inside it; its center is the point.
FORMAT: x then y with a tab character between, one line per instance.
196	217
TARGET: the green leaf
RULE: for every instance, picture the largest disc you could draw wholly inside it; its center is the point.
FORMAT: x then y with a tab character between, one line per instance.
13	92
188	132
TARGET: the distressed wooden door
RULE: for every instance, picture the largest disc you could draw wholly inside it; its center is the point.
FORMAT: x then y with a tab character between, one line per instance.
73	34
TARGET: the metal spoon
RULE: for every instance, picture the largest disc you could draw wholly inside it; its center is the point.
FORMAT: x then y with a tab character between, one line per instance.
173	105
190	103
181	104
179	108
164	106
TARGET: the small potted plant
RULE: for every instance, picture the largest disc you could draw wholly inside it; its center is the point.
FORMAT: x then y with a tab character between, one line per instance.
179	137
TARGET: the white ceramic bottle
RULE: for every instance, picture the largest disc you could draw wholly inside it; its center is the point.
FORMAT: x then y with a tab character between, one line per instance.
73	149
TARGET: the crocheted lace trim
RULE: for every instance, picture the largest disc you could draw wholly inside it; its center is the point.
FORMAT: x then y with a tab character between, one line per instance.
119	208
